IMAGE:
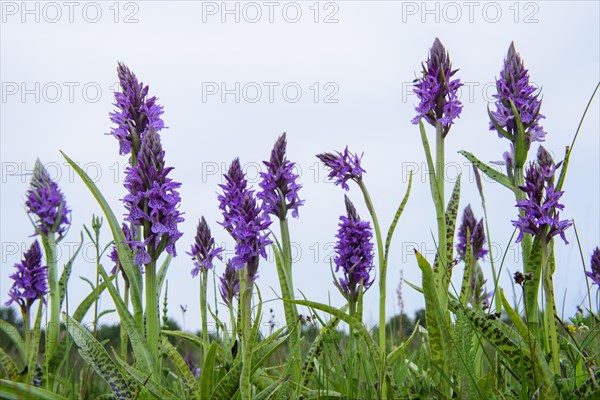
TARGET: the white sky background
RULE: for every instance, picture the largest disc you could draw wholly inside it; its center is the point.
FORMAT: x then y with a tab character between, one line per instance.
365	62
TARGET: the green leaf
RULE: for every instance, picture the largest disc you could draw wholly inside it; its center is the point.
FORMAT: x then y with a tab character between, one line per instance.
12	333
125	256
316	348
388	239
465	288
532	286
35	345
437	200
144	380
489	171
465	358
515	357
270	390
516	320
230	383
248	350
190	383
208	372
451	214
289	309
590	388
162	272
58	357
138	342
16	391
193	339
8	365
437	325
357	325
96	356
64	277
395	354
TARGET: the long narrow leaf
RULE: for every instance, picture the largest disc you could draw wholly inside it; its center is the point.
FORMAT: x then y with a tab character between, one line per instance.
124	253
190	383
16	391
388	239
208	372
11	332
96	356
138	342
489	171
35	345
66	273
145	379
8	365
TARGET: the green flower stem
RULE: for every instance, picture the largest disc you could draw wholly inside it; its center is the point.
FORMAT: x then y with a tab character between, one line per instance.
287	263
53	329
382	287
352	359
232	322
292	310
246	320
550	309
205	339
497	299
96	243
27	330
152	324
122	330
443	277
531	306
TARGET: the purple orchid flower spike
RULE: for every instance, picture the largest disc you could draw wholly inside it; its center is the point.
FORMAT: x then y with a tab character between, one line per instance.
46	203
513	85
230	284
280	183
540	209
244	219
29	281
437	91
135	114
476	235
594	272
354	253
343	166
204	250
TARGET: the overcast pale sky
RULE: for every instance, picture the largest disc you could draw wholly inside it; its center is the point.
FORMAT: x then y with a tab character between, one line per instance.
232	76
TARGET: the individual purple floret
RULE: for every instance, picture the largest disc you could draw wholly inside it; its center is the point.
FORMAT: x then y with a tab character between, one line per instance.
47	203
541	217
476	235
233	192
280	181
594	273
438	93
354	253
135	113
204	250
152	201
29	282
230	283
514	85
343	167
